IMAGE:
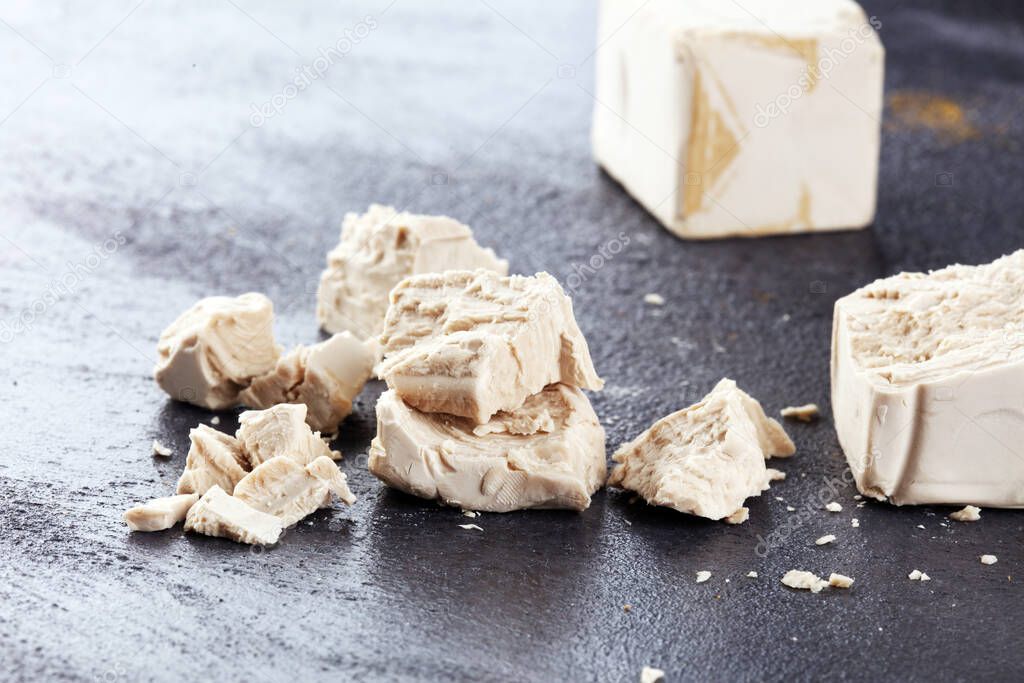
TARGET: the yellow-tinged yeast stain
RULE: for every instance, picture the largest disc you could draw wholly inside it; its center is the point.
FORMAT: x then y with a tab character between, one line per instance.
922	109
711	148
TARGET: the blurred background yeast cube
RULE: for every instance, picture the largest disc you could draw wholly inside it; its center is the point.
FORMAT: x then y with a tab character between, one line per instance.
741	119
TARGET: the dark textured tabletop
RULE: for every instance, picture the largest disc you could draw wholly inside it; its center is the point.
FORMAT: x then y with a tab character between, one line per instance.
141	169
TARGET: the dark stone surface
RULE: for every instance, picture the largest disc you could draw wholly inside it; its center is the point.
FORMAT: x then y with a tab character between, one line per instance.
461	110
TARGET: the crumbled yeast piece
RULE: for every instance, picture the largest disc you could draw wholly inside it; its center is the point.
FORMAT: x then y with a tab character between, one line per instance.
826	539
280	430
925	369
834	507
839	580
325	377
214	349
704	460
161	450
651	675
549	453
917	575
654	299
703	575
752	575
290	491
989	559
219	514
776	475
380	248
802	580
969	513
214	459
855	523
475	343
804	413
160	513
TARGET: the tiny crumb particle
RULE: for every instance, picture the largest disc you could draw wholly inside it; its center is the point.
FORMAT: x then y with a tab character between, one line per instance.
862	503
751	575
970	513
738	517
920	526
215	420
989	559
804	413
627	607
703	575
776	475
855	523
790	508
651	675
780	499
161	450
654	299
826	539
470	526
918	575
857	496
839	580
834	507
470	513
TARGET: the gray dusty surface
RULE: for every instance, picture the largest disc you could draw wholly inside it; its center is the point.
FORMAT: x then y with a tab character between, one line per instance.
133	123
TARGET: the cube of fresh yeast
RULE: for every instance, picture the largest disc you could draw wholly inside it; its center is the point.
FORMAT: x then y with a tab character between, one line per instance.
215	348
549	453
160	513
290	491
741	118
377	250
471	343
219	514
705	460
325	377
927	377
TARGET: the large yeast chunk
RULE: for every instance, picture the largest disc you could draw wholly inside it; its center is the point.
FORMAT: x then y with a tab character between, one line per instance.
549	453
927	377
325	377
214	349
214	459
290	491
280	430
706	459
218	514
475	343
380	248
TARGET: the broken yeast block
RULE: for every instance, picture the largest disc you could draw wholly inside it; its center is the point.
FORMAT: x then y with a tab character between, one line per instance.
474	343
214	459
752	118
380	248
290	491
219	514
280	430
160	513
550	453
214	349
325	377
706	459
927	371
